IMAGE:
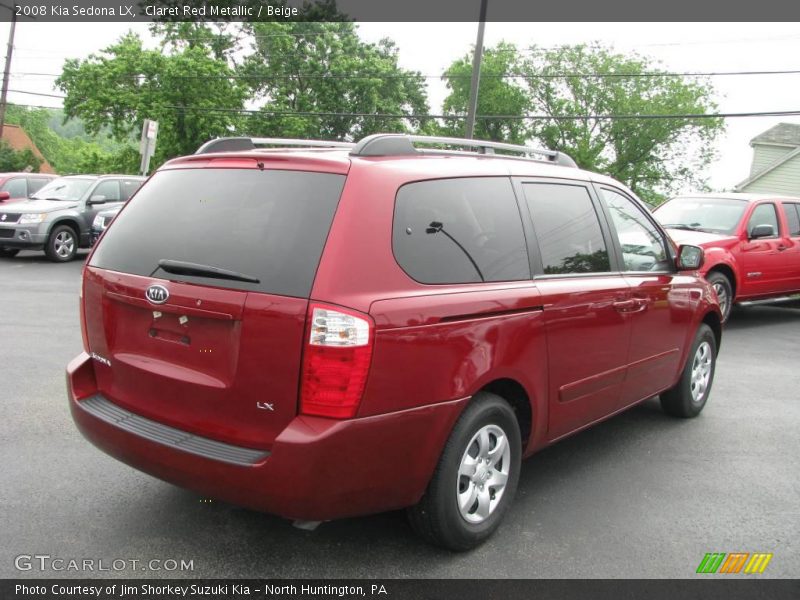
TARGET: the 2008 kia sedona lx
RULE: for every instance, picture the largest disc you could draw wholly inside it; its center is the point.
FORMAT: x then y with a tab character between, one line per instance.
324	330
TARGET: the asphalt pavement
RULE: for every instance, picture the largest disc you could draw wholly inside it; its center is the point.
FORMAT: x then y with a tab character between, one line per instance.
641	495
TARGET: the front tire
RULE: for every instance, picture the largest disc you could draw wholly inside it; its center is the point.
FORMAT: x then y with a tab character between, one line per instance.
724	289
689	396
62	244
476	478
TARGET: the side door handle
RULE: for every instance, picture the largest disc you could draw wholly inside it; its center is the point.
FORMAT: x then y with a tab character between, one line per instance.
781	247
624	305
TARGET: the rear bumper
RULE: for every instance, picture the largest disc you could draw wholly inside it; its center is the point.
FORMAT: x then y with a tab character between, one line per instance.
316	469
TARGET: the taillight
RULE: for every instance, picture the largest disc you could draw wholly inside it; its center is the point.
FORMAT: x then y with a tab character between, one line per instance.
335	362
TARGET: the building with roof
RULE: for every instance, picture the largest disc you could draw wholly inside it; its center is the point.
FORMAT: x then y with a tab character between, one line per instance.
16	137
776	162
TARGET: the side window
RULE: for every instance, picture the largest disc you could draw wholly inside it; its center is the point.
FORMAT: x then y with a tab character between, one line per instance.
129	186
459	231
17	187
567	228
792	211
642	245
764	214
36	183
108	188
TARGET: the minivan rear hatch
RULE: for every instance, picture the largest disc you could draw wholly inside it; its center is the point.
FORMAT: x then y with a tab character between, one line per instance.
195	299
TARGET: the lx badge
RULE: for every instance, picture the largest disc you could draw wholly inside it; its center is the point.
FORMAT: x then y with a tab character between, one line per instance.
265	406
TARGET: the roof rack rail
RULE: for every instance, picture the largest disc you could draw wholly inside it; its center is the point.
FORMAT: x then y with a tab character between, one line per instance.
239	144
393	144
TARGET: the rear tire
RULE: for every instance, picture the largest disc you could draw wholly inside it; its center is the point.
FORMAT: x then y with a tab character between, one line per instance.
689	396
62	244
476	478
8	252
724	289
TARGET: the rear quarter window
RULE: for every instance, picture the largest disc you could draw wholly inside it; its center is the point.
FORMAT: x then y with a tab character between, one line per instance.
129	187
36	183
792	210
465	230
271	225
567	227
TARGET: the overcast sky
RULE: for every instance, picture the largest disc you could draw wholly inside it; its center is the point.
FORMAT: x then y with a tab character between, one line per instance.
431	47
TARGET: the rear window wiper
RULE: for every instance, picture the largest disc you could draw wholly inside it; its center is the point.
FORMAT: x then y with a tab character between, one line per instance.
179	267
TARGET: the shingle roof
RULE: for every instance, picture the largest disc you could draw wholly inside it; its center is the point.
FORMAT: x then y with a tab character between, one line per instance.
782	133
19	140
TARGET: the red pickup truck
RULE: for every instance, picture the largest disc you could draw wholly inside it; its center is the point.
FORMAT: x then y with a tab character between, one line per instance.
751	242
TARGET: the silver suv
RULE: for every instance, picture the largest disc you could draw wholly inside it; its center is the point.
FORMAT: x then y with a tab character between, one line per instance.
58	218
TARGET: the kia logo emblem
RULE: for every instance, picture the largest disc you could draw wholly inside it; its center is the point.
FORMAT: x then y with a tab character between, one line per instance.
157	294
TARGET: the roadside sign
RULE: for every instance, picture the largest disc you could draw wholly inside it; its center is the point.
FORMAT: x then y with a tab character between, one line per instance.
147	146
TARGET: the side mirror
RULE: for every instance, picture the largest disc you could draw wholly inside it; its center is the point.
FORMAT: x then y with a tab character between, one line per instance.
5	196
690	258
762	231
97	199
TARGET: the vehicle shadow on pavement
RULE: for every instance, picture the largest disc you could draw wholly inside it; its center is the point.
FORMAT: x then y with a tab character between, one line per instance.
752	317
208	530
33	258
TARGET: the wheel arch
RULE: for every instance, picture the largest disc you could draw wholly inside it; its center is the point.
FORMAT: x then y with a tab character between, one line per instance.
71	222
713	321
517	396
727	271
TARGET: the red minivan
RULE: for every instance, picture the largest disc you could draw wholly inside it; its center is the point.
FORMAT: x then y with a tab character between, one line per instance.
338	329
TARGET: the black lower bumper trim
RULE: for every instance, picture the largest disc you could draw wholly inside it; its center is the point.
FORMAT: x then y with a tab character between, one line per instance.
102	408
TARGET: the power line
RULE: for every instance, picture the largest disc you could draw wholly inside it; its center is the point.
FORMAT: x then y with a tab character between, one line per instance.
46	53
213	36
490	117
654	74
255	112
37	94
264	111
598	117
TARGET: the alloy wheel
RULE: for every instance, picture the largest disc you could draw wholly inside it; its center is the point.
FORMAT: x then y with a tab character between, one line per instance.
701	372
483	474
64	244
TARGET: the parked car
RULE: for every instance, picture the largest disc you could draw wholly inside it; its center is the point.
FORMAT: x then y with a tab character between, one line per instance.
58	217
101	221
19	186
340	331
751	242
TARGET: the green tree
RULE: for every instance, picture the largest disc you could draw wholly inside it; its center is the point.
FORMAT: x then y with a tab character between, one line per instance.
190	93
222	40
325	68
17	160
652	156
499	95
68	148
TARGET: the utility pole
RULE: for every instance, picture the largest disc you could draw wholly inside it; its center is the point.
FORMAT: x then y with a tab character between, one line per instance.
7	69
476	75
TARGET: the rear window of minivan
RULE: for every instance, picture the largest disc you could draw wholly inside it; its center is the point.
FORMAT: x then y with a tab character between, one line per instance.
270	225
